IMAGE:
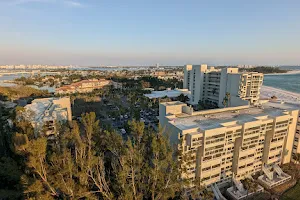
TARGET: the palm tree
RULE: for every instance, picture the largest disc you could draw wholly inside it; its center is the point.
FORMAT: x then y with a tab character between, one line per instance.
228	98
200	191
224	102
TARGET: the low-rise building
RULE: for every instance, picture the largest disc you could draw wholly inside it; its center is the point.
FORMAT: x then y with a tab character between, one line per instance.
168	93
233	142
83	86
45	113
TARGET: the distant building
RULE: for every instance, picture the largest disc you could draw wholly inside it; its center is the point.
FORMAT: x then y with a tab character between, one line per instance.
83	86
215	85
232	143
45	113
159	73
168	93
117	85
245	66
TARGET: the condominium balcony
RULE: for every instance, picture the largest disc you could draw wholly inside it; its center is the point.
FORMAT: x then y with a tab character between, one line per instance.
211	171
273	160
211	83
247	152
283	127
295	151
221	142
275	152
276	143
251	134
210	162
246	161
245	170
211	181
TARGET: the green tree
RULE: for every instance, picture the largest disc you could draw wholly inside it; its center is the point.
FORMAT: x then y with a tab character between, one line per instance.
85	161
10	163
226	100
250	185
183	98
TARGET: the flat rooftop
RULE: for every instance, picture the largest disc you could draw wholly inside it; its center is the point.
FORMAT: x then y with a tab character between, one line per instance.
172	103
230	118
39	106
169	93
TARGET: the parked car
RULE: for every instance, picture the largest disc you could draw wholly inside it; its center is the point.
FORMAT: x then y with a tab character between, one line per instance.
123	131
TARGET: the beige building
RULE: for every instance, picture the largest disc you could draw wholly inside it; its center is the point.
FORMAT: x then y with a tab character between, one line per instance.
83	86
211	85
296	145
230	143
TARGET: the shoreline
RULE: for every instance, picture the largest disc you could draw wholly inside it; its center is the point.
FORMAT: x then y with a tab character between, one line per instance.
286	73
284	95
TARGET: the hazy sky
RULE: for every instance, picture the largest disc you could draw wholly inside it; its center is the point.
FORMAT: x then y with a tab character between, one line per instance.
142	32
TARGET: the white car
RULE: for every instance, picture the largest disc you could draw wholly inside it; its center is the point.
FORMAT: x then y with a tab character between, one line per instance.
123	131
125	116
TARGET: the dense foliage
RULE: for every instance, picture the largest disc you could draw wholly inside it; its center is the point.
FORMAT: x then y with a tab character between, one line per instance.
14	93
149	82
265	70
85	162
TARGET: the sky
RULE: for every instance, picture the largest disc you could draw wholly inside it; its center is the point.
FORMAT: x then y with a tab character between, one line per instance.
146	32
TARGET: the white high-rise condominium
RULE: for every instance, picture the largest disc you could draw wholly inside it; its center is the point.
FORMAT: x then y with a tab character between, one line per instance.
211	85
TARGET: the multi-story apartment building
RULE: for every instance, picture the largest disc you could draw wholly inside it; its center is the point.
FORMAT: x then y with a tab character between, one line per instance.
230	143
83	86
208	84
45	113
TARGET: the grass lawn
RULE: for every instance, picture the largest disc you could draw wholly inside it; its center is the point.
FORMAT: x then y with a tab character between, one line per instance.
292	194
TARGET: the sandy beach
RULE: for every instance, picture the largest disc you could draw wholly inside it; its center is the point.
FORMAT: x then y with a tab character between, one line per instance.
289	72
268	92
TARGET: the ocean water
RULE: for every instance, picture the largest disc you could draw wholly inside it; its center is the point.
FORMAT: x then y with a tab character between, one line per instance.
289	82
11	77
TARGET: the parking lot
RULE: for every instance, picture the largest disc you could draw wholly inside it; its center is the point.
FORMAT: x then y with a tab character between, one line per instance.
149	117
116	112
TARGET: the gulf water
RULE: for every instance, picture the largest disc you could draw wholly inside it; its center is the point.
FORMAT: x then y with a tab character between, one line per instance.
289	82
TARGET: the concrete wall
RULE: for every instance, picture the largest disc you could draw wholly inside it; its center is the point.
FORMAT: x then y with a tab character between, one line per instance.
187	69
288	146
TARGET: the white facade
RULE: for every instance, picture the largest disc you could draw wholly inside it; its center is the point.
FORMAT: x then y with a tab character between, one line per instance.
208	84
168	93
45	113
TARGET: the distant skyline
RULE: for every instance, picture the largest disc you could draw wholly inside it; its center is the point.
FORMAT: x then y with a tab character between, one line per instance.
135	32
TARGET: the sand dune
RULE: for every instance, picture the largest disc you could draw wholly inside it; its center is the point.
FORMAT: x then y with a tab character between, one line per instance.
268	92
